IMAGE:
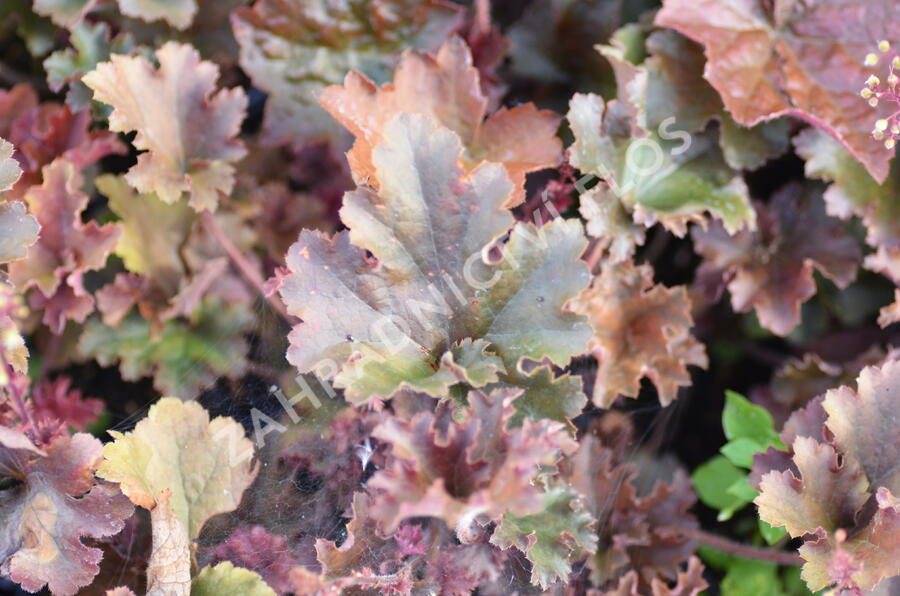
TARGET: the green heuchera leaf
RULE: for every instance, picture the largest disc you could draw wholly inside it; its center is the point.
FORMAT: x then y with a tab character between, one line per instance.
292	49
653	179
853	191
91	45
433	306
184	358
178	13
207	464
38	32
225	578
153	233
551	537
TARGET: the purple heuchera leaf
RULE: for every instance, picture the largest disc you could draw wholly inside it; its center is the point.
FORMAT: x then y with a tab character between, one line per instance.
56	505
804	59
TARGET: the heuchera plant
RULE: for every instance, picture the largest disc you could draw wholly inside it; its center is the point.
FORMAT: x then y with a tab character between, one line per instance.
428	297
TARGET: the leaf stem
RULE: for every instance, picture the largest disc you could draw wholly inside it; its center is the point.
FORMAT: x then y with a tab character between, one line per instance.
483	16
243	265
744	550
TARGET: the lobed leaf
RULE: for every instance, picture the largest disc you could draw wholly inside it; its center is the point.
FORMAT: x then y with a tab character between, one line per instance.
771	269
225	578
800	59
798	381
205	463
464	467
18	230
47	131
188	129
838	495
178	13
446	87
292	50
641	520
153	232
64	13
676	184
91	45
549	537
429	305
183	357
66	249
853	191
55	505
56	400
640	330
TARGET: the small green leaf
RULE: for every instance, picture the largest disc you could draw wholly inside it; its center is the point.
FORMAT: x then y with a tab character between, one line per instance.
712	481
771	535
743	419
740	451
746	577
742	489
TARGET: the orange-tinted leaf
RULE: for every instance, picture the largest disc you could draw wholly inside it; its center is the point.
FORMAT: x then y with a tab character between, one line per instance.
446	87
640	330
804	59
293	49
363	548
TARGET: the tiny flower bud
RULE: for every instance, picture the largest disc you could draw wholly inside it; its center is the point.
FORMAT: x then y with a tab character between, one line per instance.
881	124
866	93
877	135
895	128
889	144
873	102
871	59
873	81
892	80
896	62
883	45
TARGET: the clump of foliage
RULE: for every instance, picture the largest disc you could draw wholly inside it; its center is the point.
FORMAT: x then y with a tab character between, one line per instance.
427	297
